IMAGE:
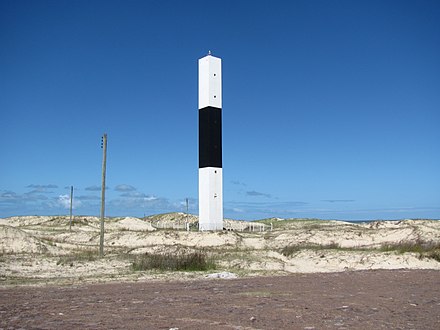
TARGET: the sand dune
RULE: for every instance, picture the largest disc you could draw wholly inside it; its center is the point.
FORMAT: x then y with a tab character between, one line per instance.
42	249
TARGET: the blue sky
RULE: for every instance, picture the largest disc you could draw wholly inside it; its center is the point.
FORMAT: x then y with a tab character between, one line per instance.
331	109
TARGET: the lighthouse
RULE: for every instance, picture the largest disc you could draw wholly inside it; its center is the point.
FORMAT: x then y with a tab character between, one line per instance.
210	144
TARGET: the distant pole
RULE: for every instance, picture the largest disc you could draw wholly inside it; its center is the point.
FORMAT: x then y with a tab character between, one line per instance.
104	164
187	214
71	203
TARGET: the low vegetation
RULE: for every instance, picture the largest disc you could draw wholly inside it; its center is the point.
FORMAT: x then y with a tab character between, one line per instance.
289	250
425	249
80	256
286	223
185	261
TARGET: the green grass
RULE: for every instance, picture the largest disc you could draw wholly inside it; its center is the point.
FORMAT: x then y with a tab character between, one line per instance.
425	249
417	246
194	261
291	249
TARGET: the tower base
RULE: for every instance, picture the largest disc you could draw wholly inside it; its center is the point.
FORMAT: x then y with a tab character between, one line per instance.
210	198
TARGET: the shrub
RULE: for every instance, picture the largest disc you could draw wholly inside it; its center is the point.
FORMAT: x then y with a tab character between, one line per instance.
433	255
195	261
84	255
417	246
425	249
291	249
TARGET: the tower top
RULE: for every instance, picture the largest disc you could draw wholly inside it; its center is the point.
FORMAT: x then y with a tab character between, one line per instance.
209	52
210	82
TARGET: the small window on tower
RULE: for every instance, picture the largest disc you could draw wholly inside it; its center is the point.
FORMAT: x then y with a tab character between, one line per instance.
215	74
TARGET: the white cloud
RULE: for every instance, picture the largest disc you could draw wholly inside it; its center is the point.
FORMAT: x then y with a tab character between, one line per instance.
64	201
258	194
95	188
133	194
42	186
124	188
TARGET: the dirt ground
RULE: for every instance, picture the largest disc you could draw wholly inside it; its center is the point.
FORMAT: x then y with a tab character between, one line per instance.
387	299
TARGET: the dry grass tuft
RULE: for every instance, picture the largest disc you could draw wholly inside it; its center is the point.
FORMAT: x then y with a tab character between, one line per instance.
425	249
194	261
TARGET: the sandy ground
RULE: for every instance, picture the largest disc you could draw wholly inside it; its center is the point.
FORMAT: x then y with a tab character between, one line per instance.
374	299
41	250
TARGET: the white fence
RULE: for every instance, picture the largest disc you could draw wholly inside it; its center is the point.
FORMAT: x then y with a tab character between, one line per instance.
230	225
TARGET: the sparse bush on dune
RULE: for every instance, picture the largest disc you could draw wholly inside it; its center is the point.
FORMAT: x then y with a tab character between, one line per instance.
433	255
291	249
194	261
81	256
417	246
425	249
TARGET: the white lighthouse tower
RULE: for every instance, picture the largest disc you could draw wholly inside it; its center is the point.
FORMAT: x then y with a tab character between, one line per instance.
210	144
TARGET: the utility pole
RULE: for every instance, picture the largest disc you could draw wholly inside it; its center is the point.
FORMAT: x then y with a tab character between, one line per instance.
71	204
104	164
187	215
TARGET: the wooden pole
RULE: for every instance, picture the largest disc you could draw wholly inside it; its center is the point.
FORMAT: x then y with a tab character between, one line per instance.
104	164
187	214
71	204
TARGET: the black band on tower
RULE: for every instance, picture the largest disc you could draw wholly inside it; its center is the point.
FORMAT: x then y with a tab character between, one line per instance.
210	137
